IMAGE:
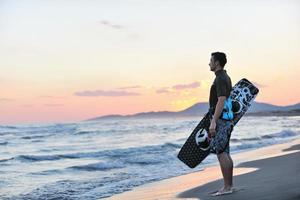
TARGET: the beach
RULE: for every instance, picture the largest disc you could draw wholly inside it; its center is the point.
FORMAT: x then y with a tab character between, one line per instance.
270	172
99	97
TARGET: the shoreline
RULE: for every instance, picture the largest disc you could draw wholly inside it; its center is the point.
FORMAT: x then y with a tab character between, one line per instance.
198	185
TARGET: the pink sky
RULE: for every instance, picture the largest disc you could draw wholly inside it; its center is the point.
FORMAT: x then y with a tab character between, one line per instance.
66	62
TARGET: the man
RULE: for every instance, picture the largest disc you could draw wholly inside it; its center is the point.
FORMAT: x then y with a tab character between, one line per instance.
220	129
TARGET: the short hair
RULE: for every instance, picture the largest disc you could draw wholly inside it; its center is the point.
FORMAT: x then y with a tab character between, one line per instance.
221	57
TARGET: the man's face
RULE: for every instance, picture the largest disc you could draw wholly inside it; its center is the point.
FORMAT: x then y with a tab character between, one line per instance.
212	64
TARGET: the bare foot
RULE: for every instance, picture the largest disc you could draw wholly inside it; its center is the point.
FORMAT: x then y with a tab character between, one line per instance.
224	190
222	193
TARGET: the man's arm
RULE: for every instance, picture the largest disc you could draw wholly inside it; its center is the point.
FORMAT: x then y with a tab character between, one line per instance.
219	108
217	114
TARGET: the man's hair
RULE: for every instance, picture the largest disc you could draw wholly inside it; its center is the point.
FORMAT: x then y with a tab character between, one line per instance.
221	57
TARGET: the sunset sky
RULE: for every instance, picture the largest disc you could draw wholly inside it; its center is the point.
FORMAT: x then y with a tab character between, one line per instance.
66	61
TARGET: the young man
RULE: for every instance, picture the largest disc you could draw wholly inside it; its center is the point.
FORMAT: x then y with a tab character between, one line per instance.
220	129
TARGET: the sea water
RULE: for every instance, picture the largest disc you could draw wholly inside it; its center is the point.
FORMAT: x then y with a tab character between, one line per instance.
98	159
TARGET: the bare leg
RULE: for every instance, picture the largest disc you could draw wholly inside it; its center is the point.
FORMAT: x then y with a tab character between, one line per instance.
226	165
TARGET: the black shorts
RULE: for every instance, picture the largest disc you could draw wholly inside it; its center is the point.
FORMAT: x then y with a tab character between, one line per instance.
220	143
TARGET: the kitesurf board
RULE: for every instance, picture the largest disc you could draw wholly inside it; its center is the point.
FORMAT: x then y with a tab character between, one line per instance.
194	151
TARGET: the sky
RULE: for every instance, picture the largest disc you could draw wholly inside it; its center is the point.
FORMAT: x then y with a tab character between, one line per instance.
67	61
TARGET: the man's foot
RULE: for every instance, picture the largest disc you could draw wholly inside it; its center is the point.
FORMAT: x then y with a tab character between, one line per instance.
223	190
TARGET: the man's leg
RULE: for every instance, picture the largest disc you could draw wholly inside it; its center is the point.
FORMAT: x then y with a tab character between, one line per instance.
226	165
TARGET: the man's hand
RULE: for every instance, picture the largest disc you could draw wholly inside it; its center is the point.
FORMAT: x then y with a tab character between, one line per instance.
212	129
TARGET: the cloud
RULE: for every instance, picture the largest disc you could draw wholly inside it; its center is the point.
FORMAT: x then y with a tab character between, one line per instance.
130	87
53	105
178	87
134	36
111	25
258	84
46	96
163	90
49	96
186	86
109	93
27	105
131	35
5	99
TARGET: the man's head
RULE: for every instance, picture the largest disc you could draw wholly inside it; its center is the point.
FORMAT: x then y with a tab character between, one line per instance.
217	61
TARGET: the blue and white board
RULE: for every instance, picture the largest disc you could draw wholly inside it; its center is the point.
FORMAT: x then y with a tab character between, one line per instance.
196	148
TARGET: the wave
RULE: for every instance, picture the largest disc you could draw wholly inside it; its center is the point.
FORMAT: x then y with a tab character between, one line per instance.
7	159
93	188
266	140
3	143
172	145
281	135
33	158
34	137
82	132
102	132
245	139
98	166
144	160
8	127
123	154
254	145
47	172
144	155
30	131
37	141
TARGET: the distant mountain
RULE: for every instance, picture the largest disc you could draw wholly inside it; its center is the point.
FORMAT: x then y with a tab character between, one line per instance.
264	107
199	109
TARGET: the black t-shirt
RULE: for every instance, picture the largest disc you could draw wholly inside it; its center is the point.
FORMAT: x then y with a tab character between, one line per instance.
220	87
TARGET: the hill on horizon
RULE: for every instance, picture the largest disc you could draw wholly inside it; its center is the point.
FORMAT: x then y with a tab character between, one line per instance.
199	109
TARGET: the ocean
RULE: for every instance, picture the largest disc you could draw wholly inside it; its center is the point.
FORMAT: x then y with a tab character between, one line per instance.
97	159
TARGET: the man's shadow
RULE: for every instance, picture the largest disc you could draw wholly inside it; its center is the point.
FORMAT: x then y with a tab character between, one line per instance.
276	178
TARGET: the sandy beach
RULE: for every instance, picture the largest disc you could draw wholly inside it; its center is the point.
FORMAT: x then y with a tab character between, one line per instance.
267	173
